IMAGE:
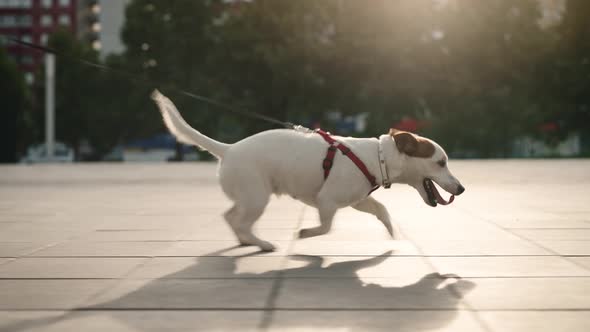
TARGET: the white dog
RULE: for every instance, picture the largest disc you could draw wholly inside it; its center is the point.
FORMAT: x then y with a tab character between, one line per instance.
286	161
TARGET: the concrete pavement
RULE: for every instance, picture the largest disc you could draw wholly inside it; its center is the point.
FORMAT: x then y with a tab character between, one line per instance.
143	247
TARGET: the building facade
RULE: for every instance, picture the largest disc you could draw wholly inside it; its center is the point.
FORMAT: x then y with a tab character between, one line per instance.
112	18
34	20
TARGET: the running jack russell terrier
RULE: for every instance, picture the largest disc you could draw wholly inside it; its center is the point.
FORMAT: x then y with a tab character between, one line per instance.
323	171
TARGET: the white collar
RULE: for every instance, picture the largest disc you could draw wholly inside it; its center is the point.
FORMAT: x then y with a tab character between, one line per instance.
389	156
385	181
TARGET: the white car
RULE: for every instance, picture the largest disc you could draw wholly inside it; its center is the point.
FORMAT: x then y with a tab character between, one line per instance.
38	154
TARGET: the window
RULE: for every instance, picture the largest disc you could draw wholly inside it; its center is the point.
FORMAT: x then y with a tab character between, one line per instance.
24	20
26	38
16	3
64	19
29	78
64	3
26	59
46	20
47	3
7	20
44	39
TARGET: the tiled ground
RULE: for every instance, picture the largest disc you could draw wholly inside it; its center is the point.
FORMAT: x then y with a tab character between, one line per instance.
144	248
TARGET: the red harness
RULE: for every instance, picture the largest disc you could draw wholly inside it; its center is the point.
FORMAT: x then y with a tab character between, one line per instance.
329	160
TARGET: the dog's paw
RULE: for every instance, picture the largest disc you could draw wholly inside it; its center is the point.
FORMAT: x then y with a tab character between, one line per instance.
266	246
306	232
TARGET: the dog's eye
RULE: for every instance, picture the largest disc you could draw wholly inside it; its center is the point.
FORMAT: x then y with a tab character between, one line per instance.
442	163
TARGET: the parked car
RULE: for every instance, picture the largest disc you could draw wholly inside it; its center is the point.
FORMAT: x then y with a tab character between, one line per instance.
160	148
38	154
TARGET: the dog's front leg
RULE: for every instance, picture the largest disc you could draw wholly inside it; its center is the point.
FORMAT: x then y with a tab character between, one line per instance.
374	207
327	212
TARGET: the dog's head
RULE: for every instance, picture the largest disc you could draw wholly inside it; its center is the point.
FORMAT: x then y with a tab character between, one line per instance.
425	163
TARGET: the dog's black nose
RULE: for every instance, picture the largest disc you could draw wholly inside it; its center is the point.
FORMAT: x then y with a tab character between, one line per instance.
460	190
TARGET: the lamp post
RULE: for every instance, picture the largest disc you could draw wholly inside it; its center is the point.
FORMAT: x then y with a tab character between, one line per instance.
50	105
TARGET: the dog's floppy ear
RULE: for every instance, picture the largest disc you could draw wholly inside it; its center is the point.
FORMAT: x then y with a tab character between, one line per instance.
411	144
405	142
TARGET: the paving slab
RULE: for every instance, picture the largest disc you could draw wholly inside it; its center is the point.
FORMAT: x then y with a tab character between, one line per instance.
38	233
209	267
221	232
581	261
104	249
501	267
110	235
21	294
567	247
529	293
219	248
144	247
427	292
481	247
457	230
126	222
29	320
378	320
15	249
57	268
321	247
554	234
536	321
131	321
185	294
333	267
366	231
554	223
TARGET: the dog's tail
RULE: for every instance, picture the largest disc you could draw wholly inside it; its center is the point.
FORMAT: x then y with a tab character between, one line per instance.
183	131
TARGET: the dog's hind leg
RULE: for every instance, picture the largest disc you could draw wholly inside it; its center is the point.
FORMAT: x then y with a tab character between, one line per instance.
230	217
374	207
242	216
327	210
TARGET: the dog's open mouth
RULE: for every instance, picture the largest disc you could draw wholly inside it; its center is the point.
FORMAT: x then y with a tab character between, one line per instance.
434	196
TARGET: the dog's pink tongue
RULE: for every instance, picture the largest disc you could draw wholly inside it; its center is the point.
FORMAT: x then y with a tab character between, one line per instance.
439	198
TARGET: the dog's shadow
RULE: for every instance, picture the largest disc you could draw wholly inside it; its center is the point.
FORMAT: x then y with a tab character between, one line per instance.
320	297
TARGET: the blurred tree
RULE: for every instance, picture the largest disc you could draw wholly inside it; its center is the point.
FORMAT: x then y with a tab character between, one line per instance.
15	103
480	74
563	80
120	103
485	98
465	68
169	41
266	57
78	93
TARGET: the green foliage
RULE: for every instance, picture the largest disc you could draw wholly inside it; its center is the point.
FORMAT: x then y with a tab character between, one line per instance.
78	90
14	111
563	79
479	74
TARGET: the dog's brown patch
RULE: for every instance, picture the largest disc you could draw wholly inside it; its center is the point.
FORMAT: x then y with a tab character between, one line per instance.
412	145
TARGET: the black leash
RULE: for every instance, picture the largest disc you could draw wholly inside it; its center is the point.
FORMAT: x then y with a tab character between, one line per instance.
137	78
